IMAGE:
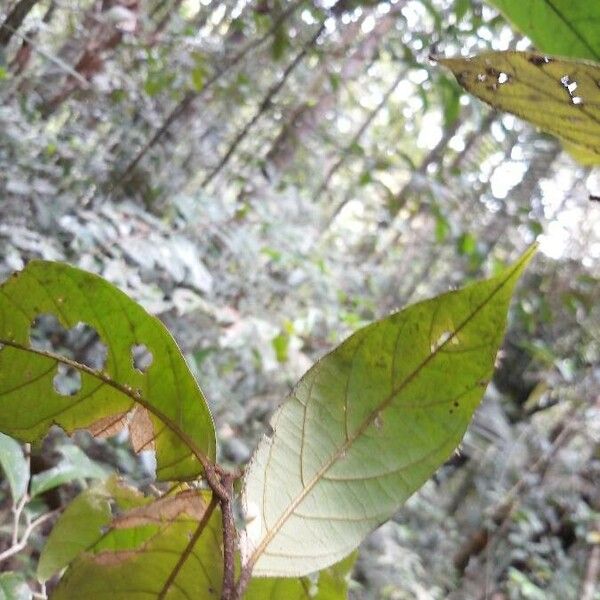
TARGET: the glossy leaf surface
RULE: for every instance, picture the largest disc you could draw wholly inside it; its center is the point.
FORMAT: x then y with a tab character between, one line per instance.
368	424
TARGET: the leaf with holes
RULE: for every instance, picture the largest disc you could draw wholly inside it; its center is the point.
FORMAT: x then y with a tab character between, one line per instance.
169	548
561	27
561	97
144	381
368	424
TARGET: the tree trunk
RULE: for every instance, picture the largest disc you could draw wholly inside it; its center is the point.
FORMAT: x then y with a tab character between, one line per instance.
14	20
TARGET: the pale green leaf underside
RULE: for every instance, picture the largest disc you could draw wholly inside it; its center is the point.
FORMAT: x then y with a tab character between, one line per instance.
182	425
561	27
368	425
14	466
561	97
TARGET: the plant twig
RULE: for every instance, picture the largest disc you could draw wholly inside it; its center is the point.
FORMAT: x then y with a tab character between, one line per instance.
229	538
189	98
357	136
20	545
592	574
14	20
263	106
54	59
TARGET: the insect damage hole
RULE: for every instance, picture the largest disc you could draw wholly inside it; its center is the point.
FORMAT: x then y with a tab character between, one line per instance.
81	343
141	357
571	86
67	381
444	337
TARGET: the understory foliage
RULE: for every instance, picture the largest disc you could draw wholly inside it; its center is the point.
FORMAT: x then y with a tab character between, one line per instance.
273	180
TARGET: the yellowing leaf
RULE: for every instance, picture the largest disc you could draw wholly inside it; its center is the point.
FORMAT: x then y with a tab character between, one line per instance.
82	523
560	96
169	410
368	424
169	548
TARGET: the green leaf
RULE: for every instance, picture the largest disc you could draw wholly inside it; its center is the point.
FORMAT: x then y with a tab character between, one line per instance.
442	227
561	97
82	523
271	588
332	584
461	7
15	467
466	244
14	587
169	548
281	343
75	465
560	27
198	76
368	424
170	410
281	43
450	95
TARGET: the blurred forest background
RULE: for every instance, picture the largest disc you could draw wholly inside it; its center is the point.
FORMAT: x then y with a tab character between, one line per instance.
266	176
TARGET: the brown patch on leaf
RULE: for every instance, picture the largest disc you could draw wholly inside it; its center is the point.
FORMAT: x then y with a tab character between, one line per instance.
109	558
164	510
141	430
107	426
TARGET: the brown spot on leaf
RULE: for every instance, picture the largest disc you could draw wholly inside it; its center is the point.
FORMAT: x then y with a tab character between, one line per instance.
108	558
164	510
107	426
141	430
538	60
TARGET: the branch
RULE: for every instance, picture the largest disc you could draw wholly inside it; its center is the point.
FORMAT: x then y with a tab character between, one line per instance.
501	513
14	20
263	106
54	59
189	98
229	539
592	573
346	151
435	155
20	545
